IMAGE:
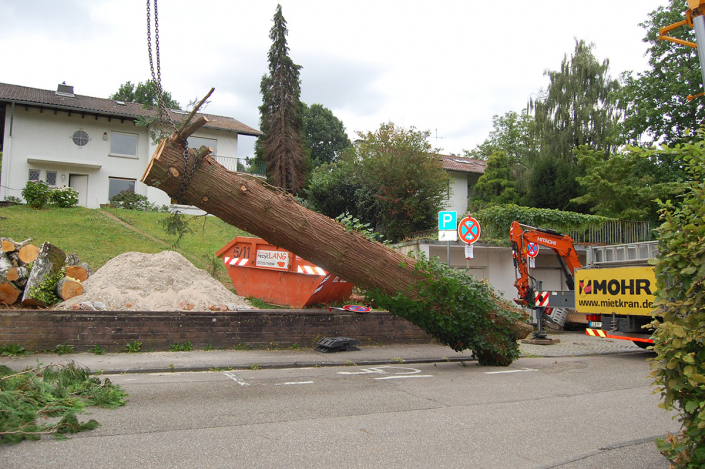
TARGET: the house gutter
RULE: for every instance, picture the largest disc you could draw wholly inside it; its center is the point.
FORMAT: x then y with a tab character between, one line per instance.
7	155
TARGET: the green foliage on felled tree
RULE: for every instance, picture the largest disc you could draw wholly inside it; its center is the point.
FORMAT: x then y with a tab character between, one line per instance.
679	340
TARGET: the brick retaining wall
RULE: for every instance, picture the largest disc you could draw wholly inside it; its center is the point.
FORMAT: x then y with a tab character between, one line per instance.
38	330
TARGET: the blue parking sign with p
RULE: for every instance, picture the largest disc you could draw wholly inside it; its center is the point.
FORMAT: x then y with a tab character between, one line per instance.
447	221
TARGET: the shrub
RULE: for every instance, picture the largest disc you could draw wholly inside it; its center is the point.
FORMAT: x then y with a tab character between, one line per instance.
64	197
132	201
679	341
36	193
13	199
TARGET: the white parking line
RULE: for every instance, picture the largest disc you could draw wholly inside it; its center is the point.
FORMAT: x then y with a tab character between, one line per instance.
406	376
235	378
294	382
508	371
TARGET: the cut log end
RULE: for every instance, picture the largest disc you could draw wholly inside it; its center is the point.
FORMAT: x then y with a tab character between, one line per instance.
9	293
67	288
78	272
28	253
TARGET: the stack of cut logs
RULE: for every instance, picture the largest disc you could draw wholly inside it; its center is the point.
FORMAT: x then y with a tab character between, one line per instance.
24	266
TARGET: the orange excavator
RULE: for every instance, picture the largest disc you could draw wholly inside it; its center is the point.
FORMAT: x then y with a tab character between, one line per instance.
562	245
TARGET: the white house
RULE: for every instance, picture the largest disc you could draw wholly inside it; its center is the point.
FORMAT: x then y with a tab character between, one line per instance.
464	173
91	144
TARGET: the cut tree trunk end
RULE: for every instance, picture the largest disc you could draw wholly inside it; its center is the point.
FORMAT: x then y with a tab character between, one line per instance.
245	202
67	288
9	293
79	272
48	263
9	245
28	253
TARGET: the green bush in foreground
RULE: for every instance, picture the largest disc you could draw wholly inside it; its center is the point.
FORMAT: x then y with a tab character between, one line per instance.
51	391
459	311
679	341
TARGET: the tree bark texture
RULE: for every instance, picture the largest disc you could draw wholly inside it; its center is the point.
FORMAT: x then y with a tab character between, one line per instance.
247	203
49	261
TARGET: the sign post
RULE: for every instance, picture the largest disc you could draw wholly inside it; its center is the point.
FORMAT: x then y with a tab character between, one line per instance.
469	232
447	224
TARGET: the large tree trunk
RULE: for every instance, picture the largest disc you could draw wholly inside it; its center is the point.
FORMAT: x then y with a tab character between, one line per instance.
251	205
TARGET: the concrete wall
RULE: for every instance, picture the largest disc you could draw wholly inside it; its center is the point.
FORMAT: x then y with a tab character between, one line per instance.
494	264
41	140
38	330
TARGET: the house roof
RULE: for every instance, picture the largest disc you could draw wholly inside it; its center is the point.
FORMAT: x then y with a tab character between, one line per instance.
462	164
100	106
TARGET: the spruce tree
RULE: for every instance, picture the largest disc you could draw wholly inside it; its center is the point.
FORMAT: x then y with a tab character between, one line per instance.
281	114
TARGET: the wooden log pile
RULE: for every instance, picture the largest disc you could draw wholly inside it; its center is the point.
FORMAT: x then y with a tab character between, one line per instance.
36	276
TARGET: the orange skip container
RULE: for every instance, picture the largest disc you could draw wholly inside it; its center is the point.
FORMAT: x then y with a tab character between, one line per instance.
278	276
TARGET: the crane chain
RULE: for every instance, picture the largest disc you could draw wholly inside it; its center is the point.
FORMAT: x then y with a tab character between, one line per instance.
162	111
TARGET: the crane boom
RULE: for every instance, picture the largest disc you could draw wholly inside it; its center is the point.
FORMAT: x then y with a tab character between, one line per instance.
560	244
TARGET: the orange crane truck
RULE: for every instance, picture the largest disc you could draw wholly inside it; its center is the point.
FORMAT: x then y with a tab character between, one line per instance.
615	290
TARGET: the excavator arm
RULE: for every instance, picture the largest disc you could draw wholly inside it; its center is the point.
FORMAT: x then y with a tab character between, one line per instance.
560	244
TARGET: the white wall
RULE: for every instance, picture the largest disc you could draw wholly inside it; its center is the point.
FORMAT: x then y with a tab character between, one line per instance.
458	200
494	263
45	137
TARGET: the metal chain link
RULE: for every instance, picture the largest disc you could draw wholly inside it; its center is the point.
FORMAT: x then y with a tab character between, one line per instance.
157	79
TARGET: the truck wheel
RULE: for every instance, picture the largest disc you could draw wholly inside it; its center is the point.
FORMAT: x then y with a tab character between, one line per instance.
642	344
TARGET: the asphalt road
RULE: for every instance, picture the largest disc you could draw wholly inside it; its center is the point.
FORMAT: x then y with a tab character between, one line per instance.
562	412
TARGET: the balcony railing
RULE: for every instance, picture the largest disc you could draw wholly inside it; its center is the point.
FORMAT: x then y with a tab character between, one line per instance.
242	165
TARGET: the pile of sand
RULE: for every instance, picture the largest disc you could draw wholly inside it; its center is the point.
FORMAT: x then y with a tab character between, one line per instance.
153	282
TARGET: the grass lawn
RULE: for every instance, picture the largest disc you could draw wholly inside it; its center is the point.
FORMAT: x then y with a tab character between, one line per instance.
97	238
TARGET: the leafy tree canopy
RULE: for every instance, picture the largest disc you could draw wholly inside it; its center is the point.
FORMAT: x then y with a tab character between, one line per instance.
627	185
389	178
512	134
145	94
579	106
657	108
497	184
325	134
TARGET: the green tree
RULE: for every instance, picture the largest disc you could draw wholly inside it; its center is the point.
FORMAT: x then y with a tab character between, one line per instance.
389	178
324	133
551	184
497	185
656	104
511	133
679	340
281	112
145	94
579	107
628	184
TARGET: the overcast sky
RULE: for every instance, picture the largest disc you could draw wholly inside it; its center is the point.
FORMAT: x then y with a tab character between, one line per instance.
443	66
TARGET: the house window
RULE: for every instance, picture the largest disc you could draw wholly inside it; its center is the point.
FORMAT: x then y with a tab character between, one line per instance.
198	142
123	144
80	138
51	178
34	174
117	185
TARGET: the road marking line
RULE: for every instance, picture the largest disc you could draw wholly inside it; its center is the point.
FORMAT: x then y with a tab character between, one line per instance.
235	378
406	376
294	382
508	371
